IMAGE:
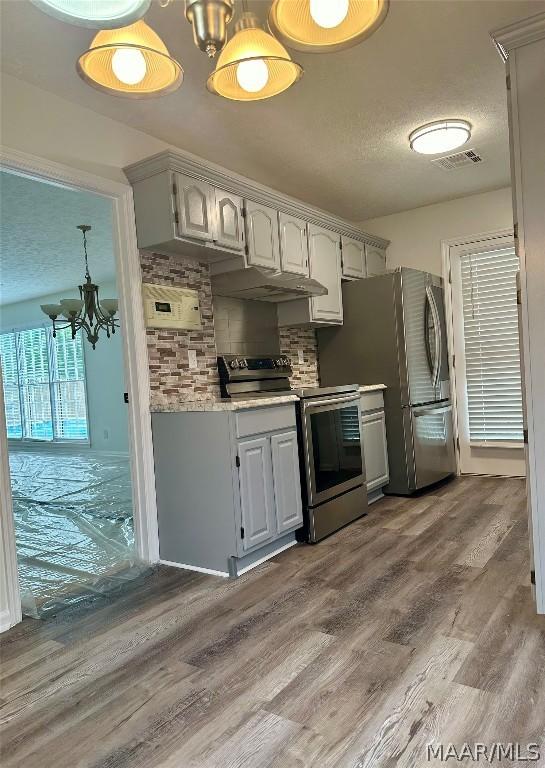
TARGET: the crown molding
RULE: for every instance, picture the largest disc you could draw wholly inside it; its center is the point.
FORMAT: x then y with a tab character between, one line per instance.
191	165
519	33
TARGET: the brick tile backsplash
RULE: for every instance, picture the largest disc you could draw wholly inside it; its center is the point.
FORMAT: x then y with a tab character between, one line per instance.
292	339
171	379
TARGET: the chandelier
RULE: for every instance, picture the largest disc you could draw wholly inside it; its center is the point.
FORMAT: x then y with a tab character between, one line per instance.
88	313
127	58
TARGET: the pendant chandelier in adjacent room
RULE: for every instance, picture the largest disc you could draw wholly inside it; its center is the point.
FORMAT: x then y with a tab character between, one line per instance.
88	313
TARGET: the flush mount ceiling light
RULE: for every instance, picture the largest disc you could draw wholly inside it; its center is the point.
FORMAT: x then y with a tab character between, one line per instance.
132	61
325	25
440	136
253	65
103	14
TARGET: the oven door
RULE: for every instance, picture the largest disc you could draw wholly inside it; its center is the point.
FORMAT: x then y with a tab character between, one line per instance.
332	446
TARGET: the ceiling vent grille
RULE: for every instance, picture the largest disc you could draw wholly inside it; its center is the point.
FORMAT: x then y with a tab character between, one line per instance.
458	160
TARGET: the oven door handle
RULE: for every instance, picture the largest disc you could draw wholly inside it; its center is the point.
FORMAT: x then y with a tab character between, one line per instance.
331	401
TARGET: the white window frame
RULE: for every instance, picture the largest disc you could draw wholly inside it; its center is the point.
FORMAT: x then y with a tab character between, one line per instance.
131	314
55	441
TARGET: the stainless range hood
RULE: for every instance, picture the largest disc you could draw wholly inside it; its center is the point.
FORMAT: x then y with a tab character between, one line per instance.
229	278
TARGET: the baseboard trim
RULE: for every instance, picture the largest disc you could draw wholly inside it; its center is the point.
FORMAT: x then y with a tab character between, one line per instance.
186	567
225	574
268	556
5	620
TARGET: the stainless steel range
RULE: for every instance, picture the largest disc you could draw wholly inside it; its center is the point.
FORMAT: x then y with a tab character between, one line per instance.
330	448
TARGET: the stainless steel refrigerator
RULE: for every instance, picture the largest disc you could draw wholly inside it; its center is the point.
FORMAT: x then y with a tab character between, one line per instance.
394	333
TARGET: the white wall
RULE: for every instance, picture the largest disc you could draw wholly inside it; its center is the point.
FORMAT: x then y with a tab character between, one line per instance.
416	234
38	122
108	425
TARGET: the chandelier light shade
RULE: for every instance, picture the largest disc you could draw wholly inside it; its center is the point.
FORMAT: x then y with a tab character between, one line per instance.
253	65
97	14
319	26
440	136
132	61
88	313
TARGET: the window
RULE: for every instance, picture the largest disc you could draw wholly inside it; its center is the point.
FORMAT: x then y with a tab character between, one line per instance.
491	342
44	385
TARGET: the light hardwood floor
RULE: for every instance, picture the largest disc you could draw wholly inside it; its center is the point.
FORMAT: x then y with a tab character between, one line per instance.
413	625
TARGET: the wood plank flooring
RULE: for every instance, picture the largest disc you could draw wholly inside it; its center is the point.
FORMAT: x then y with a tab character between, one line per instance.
414	625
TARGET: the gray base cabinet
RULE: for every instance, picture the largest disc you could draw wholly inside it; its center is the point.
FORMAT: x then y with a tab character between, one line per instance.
375	447
228	486
256	492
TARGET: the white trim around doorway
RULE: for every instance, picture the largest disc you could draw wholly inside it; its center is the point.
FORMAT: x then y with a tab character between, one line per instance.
135	357
446	246
507	460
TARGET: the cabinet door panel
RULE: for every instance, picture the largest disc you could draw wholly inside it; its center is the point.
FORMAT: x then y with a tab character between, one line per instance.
195	214
287	483
375	449
263	249
256	491
353	256
228	225
325	266
293	244
375	260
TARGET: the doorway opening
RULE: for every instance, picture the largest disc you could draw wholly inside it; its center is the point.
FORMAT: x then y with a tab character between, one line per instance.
485	348
65	411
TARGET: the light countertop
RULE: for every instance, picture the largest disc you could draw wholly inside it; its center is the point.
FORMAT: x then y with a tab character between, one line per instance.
372	387
223	404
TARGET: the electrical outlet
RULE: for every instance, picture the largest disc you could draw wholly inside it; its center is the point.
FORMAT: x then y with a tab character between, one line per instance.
300	357
192	358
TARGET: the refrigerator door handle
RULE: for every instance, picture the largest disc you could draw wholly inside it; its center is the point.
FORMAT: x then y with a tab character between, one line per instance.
430	411
437	325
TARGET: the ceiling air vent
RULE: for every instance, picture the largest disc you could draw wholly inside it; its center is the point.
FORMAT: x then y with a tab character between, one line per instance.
458	160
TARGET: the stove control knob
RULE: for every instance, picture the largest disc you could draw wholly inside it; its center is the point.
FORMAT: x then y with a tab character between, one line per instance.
243	363
234	364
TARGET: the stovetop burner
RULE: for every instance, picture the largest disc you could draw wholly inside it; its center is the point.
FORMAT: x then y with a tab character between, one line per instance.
248	376
245	376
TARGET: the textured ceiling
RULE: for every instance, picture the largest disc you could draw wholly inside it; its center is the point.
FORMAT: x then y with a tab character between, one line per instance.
41	249
338	139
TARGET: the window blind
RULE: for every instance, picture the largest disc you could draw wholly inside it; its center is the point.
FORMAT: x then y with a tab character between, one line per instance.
491	342
44	385
10	378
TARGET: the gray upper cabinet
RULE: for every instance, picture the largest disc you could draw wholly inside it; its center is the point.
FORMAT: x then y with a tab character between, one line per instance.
293	244
194	202
182	209
287	484
353	258
325	266
228	228
256	491
375	259
262	242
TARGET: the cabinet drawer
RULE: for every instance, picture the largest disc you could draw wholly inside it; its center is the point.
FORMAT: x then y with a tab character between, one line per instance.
372	401
259	420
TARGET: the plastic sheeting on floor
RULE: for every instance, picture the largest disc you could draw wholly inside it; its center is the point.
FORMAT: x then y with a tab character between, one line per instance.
73	526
